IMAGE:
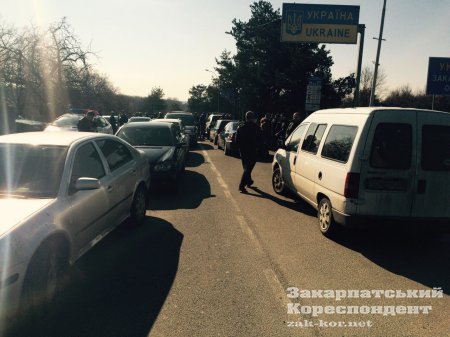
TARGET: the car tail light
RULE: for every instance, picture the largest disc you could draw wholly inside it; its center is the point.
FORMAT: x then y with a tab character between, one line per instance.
351	188
232	137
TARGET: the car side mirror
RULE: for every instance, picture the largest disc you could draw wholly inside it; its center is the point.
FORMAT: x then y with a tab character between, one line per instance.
83	184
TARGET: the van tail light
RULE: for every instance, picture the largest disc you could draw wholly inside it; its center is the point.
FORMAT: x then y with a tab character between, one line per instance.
351	188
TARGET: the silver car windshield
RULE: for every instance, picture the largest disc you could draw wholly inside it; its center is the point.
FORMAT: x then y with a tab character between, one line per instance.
31	171
67	120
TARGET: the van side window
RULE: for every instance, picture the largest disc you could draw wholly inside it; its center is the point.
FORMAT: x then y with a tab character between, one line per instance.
392	146
294	140
339	142
313	137
436	147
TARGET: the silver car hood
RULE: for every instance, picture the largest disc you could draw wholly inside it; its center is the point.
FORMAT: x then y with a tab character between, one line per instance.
14	210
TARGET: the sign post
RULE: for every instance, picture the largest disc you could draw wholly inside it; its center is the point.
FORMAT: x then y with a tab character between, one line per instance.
308	23
313	93
438	80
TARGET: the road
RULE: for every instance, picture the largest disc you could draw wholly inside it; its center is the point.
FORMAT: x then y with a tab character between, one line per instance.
210	261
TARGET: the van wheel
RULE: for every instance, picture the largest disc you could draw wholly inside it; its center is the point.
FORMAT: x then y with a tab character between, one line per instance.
327	225
277	182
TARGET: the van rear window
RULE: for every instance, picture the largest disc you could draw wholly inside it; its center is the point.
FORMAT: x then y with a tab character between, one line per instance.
436	147
339	142
392	146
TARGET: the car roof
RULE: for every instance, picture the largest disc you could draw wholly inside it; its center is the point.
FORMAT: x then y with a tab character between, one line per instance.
167	120
147	124
179	113
368	110
63	138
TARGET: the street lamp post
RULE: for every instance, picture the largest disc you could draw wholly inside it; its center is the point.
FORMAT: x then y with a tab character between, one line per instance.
218	89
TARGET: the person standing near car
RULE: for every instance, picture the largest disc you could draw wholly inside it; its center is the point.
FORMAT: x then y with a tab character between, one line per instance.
113	122
87	124
296	119
248	138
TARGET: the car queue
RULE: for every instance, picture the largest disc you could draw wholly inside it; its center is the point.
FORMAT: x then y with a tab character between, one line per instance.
61	192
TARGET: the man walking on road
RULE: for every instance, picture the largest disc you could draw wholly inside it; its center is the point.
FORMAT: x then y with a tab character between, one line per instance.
248	138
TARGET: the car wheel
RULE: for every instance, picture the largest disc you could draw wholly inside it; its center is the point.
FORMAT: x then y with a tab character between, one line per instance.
327	225
215	140
226	152
45	271
277	182
139	205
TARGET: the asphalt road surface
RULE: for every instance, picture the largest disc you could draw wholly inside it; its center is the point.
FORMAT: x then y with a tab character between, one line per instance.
210	261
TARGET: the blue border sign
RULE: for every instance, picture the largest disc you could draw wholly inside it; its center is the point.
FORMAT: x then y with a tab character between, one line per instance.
319	23
438	80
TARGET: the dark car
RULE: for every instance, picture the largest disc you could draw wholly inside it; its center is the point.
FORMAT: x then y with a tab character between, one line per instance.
28	125
218	127
163	146
227	138
179	127
210	123
189	123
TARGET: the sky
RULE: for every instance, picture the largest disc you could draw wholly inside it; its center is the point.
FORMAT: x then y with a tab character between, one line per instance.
141	44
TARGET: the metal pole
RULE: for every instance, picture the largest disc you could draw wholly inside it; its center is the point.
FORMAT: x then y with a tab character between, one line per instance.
432	102
375	73
361	30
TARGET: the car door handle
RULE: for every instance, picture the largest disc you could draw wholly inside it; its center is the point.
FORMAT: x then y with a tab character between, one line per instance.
295	159
109	189
320	176
132	171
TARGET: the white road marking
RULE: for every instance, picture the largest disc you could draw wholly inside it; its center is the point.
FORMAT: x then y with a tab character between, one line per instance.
276	286
270	275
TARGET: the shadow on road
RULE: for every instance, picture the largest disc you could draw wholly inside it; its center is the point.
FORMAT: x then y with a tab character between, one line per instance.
193	188
194	159
410	254
118	288
295	204
205	145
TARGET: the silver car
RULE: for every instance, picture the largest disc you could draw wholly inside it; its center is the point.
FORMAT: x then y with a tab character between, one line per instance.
69	122
60	194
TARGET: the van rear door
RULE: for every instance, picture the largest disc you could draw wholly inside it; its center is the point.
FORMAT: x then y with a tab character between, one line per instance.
432	190
388	165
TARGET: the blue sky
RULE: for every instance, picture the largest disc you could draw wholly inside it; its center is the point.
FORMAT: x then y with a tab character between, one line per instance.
169	43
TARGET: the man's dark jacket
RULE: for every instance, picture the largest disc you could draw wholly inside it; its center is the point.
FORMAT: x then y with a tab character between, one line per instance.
248	139
292	126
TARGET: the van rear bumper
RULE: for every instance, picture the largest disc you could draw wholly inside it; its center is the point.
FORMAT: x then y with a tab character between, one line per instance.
361	221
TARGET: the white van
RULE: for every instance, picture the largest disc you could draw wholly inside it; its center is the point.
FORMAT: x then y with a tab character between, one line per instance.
364	164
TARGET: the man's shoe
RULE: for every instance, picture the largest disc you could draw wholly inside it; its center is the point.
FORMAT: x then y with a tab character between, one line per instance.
250	183
243	190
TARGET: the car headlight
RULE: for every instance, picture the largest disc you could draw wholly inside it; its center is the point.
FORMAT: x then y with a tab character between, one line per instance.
164	166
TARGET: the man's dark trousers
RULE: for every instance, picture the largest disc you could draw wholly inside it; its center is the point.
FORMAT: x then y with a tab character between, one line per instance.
248	163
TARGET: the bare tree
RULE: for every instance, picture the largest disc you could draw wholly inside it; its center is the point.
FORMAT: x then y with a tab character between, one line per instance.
366	85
